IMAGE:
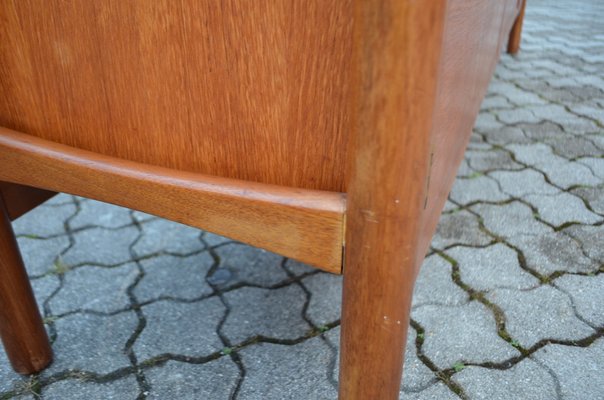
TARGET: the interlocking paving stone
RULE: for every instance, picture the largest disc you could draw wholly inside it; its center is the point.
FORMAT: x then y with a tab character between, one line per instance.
552	252
39	255
539	314
273	313
492	267
481	188
591	239
96	213
435	286
326	298
180	328
179	380
251	265
437	391
587	294
119	389
41	223
526	380
174	277
522	183
544	109
483	161
92	343
459	228
9	380
101	246
561	208
160	235
44	287
278	372
95	288
579	370
510	220
464	333
559	170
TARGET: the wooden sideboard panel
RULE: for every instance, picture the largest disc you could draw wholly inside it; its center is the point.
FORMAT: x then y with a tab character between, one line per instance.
254	90
475	33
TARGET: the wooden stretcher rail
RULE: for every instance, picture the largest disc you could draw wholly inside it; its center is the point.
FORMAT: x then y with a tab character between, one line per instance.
303	224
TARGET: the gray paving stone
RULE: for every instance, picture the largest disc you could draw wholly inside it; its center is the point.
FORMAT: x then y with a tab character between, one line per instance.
95	288
523	183
588	110
526	380
120	389
483	161
435	286
279	372
544	131
43	288
39	255
92	343
97	213
58	200
275	313
510	220
251	265
44	221
297	268
459	228
325	304
517	116
572	147
9	380
560	171
486	121
596	165
587	295
505	135
174	277
579	370
214	240
551	252
465	333
180	328
101	246
437	391
161	235
480	188
492	267
183	381
594	195
539	314
496	101
591	239
561	208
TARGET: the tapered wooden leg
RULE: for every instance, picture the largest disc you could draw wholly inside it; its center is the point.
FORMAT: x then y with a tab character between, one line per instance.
21	328
516	32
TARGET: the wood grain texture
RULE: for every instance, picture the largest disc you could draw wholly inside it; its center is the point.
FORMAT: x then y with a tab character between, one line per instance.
19	199
475	33
516	32
254	90
303	224
397	55
21	328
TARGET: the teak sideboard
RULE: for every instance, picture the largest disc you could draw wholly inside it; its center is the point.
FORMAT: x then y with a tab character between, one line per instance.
326	131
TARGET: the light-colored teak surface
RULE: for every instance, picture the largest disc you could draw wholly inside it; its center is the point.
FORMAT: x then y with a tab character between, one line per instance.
398	49
424	69
303	224
246	89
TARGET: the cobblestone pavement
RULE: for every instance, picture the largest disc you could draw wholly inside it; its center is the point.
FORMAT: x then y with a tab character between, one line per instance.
508	305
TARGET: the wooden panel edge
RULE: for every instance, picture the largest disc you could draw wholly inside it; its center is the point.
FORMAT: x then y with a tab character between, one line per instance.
306	225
